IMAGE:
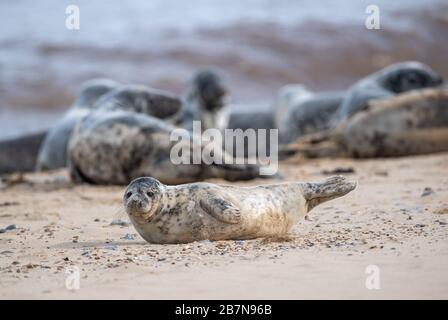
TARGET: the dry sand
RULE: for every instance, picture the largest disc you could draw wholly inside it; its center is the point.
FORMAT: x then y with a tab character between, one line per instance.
385	222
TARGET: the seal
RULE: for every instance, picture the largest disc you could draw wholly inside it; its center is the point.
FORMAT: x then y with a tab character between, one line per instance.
203	101
118	142
53	150
247	116
410	123
312	113
140	99
205	211
388	82
287	97
20	154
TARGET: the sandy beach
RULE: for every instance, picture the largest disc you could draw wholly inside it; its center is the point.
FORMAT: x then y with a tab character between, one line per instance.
396	219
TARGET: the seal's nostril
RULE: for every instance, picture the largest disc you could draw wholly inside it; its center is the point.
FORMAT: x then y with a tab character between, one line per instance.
133	202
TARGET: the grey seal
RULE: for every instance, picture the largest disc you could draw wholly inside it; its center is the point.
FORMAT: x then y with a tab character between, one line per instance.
203	100
53	150
288	97
140	99
388	82
205	211
20	154
118	142
410	123
248	116
312	113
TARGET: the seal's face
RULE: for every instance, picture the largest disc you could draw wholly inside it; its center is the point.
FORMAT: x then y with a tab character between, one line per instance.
142	198
412	77
211	89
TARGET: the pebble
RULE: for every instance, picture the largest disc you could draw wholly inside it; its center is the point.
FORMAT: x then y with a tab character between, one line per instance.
128	236
427	191
8	228
339	170
119	222
110	247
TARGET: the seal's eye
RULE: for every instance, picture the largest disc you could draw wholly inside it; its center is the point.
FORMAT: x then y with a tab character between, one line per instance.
128	194
150	194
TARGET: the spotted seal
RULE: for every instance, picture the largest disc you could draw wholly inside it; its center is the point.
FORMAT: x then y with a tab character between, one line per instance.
203	100
388	82
205	211
312	113
411	123
53	150
122	140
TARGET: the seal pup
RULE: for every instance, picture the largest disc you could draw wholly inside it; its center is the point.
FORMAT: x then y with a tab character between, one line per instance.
53	151
254	116
205	211
388	82
140	99
20	154
288	96
203	101
411	123
114	145
310	114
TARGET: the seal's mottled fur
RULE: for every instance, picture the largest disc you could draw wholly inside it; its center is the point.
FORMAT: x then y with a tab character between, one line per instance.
200	211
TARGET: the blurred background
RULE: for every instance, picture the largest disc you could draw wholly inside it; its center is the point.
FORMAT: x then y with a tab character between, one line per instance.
259	45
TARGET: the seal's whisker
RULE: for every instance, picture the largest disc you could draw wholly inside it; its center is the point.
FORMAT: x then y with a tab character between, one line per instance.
119	213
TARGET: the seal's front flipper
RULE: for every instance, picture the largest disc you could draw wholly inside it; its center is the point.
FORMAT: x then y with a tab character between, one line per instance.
331	188
220	208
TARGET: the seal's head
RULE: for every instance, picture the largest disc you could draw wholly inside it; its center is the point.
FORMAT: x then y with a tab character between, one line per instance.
142	199
406	76
92	90
209	87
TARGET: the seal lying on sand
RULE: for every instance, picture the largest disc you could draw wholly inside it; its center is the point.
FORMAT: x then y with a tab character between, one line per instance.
203	101
244	117
53	151
388	82
20	154
310	114
140	99
289	96
200	211
411	123
117	143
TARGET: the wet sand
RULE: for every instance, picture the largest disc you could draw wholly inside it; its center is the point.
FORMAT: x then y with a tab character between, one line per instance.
390	221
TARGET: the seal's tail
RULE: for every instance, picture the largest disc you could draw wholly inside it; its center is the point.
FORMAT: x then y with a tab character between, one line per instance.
331	188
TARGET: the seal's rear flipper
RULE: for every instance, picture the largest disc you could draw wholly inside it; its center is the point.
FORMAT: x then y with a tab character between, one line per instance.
331	188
